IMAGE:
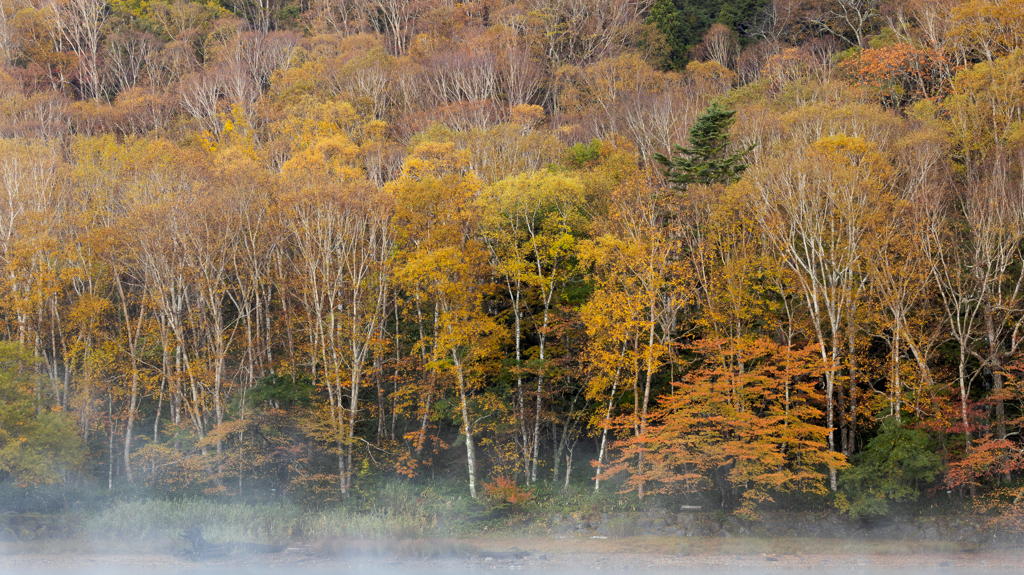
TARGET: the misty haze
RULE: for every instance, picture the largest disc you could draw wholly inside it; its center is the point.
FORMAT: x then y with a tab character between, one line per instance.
436	286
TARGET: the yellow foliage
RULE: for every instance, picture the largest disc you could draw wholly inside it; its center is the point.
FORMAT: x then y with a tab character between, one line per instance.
857	153
434	159
987	29
334	158
710	75
987	105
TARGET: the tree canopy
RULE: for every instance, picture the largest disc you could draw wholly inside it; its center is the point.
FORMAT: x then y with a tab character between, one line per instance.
300	249
707	160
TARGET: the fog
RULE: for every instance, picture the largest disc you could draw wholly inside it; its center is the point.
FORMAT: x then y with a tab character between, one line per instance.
368	568
579	565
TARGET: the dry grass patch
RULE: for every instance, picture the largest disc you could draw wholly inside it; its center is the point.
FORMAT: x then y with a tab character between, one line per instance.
738	546
405	548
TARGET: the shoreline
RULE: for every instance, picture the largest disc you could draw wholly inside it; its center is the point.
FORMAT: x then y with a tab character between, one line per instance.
543	555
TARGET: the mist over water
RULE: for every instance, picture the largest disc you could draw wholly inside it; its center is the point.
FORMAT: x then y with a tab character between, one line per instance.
369	568
835	565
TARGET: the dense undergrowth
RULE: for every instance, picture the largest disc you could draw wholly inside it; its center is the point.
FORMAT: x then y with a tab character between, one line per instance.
400	518
396	511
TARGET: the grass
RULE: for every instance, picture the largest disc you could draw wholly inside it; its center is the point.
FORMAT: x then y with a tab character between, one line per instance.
406	521
260	523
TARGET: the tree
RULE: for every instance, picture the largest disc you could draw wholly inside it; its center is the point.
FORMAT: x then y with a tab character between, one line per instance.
900	74
38	445
341	241
667	19
635	270
441	264
80	23
531	233
707	160
891	467
818	207
849	20
742	419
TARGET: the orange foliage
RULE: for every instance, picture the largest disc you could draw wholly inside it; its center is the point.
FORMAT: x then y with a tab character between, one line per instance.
504	492
987	460
747	415
900	74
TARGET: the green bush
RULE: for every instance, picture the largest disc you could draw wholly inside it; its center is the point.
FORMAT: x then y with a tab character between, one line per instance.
37	446
891	468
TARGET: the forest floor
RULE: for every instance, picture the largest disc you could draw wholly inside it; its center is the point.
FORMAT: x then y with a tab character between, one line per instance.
547	554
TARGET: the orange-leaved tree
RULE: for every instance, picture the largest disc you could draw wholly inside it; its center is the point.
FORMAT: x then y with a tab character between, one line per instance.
746	419
900	74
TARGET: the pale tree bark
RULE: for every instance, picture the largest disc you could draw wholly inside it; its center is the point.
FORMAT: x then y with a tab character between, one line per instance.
132	335
467	424
80	23
6	38
846	18
993	209
126	57
973	244
817	216
397	20
344	244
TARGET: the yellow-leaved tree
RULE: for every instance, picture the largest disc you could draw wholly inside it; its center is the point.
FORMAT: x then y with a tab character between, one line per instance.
444	268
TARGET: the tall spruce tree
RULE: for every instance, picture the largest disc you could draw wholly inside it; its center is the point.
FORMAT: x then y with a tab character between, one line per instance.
708	159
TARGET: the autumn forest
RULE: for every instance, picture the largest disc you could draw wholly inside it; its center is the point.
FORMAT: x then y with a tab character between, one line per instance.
743	253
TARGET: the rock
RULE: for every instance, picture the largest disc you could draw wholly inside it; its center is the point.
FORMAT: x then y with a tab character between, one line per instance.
907	531
733	521
723	534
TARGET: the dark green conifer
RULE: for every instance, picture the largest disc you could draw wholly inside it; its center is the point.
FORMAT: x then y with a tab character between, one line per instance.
708	159
665	17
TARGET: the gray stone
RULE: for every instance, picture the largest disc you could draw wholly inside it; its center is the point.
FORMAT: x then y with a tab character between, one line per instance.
698	531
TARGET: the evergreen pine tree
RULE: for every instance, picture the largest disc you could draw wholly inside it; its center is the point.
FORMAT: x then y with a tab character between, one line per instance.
707	160
665	17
